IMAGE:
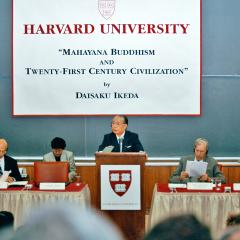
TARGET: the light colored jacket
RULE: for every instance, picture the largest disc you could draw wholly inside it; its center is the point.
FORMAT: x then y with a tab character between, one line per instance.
66	156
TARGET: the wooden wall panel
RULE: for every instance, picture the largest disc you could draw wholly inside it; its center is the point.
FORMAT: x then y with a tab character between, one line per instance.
88	175
233	174
154	174
30	172
225	171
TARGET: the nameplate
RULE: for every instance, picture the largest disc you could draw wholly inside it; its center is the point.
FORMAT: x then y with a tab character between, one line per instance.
52	186
199	186
3	185
177	185
236	187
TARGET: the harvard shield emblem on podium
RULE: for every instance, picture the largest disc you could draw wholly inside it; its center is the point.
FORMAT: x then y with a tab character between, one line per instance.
120	181
120	187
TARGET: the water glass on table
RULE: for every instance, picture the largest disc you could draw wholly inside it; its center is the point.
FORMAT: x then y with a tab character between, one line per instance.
173	189
218	183
227	189
77	180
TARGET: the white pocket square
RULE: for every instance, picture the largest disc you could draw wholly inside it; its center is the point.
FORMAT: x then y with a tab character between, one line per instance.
129	146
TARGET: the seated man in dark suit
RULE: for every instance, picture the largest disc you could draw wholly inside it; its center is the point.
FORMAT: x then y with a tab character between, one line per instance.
121	140
7	163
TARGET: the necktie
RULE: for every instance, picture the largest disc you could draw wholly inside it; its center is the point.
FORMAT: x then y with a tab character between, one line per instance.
1	171
120	143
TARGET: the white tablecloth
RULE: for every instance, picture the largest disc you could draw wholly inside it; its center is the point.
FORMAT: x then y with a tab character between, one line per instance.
211	208
21	203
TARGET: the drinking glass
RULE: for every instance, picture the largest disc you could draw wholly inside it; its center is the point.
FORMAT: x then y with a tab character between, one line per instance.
77	180
173	190
28	187
218	184
227	189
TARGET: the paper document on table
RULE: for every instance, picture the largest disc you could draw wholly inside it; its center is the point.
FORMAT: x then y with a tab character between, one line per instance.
108	149
18	183
196	168
5	176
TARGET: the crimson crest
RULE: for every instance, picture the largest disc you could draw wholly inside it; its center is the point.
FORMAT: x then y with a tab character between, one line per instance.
120	181
106	8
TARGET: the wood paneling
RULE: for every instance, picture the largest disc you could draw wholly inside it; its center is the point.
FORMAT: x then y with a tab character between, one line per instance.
30	172
88	175
154	174
232	173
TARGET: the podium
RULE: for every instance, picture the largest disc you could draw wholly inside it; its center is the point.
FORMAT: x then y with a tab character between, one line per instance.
131	222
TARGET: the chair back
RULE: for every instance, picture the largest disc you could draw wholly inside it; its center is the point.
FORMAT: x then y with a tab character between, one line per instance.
50	172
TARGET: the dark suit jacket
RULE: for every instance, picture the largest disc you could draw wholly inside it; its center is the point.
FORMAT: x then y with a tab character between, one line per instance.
131	142
11	164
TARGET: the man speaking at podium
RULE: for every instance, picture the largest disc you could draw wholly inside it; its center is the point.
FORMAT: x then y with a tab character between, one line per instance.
120	140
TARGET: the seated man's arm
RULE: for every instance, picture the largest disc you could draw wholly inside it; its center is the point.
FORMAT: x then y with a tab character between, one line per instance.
179	175
204	178
218	174
46	157
72	167
15	174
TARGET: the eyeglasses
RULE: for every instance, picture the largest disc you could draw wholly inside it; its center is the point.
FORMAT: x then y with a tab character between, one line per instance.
117	123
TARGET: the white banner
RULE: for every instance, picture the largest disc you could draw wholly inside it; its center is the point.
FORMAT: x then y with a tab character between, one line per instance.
106	57
120	187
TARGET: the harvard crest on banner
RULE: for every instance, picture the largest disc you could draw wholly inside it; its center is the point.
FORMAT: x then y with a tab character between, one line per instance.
106	8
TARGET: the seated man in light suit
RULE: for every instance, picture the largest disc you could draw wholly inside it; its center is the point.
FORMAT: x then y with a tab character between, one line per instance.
200	154
121	140
59	154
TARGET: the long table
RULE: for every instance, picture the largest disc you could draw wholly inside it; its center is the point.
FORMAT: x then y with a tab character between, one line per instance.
211	207
22	202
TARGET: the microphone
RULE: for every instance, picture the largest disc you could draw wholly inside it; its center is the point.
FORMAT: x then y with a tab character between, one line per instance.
120	143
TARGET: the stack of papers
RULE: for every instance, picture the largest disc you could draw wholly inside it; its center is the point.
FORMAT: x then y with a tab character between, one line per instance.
108	149
196	168
5	176
5	185
18	183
